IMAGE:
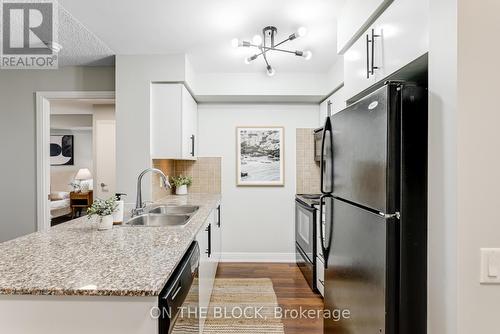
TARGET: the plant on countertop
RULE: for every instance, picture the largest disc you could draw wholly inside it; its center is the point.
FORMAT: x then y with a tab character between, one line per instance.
182	180
103	207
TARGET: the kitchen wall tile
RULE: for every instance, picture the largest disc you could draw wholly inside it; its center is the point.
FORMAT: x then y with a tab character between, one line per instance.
308	170
206	174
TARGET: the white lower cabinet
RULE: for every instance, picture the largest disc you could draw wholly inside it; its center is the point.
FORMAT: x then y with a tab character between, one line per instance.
320	275
320	261
209	240
217	236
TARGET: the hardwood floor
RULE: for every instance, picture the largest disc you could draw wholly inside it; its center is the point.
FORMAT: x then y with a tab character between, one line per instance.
291	288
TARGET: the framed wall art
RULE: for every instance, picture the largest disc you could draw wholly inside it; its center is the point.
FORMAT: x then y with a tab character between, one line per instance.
260	156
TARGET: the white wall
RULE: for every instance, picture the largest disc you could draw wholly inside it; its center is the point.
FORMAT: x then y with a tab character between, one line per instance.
65	122
478	163
134	75
104	112
463	164
17	135
442	179
258	222
61	176
307	86
335	75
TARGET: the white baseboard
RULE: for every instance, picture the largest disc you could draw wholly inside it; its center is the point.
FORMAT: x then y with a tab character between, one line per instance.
258	257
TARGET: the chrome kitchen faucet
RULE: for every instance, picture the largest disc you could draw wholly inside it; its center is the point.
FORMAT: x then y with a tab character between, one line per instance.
139	205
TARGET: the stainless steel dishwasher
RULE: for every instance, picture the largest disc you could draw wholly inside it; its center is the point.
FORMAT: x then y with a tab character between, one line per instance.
178	301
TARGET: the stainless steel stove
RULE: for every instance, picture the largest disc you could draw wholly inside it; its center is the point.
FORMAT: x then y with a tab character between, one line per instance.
306	206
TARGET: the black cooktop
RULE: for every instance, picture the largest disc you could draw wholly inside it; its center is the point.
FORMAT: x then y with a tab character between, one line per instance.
310	196
309	199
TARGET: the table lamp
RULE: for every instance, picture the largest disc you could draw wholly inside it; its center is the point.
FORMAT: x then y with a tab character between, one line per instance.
83	176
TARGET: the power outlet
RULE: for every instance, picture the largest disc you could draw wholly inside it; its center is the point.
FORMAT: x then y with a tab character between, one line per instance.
490	266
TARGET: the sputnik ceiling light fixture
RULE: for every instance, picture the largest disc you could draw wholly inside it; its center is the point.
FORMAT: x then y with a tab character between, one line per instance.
267	43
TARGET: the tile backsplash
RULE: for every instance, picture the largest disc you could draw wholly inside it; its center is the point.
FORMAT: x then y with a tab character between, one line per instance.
308	170
206	174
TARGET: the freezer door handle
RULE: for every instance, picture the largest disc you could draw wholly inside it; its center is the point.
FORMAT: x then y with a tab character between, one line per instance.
396	215
327	128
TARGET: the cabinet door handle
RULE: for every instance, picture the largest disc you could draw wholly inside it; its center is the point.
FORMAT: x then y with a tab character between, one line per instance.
367	57
218	216
209	230
373	68
192	145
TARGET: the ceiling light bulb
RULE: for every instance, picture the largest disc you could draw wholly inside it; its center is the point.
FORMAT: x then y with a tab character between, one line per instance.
308	55
270	71
250	59
257	40
302	31
235	42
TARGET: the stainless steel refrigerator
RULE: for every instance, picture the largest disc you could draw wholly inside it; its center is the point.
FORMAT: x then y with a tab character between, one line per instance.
374	235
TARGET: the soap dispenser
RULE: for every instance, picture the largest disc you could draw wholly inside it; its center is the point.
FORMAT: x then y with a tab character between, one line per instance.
118	214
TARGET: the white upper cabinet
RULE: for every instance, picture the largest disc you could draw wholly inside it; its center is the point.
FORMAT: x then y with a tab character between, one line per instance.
404	36
174	122
357	76
399	36
356	16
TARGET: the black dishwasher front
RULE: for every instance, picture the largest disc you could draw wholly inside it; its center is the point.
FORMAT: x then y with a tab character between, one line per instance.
178	301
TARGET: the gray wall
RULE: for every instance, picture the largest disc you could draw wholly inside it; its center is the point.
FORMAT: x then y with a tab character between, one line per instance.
18	136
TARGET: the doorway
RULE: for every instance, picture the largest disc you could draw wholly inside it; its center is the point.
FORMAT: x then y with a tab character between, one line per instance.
75	153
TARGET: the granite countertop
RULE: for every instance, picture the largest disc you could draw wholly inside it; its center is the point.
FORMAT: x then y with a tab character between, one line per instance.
75	258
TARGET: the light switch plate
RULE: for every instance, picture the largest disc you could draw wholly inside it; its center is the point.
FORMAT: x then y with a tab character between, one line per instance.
490	266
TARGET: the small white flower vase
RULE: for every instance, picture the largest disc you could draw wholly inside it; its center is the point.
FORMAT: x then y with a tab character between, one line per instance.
105	223
181	190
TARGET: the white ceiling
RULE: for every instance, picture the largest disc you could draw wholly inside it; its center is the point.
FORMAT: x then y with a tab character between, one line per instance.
204	28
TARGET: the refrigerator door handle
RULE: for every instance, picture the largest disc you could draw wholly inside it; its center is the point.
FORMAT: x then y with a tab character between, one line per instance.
396	215
324	249
327	128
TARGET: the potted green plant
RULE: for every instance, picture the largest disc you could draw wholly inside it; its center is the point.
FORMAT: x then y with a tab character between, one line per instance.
104	209
181	183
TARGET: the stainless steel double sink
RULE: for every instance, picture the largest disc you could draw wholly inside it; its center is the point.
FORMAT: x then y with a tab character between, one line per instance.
164	215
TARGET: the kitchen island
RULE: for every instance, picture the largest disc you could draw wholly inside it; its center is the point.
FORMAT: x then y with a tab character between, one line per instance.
76	279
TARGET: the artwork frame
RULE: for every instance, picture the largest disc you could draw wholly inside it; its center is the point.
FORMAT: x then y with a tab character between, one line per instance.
62	150
260	154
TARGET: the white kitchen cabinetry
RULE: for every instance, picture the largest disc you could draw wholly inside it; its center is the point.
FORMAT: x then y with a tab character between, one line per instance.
357	68
332	105
399	36
209	241
217	236
355	17
174	122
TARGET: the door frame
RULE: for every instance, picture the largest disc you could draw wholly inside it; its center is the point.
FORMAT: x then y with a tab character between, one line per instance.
42	109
